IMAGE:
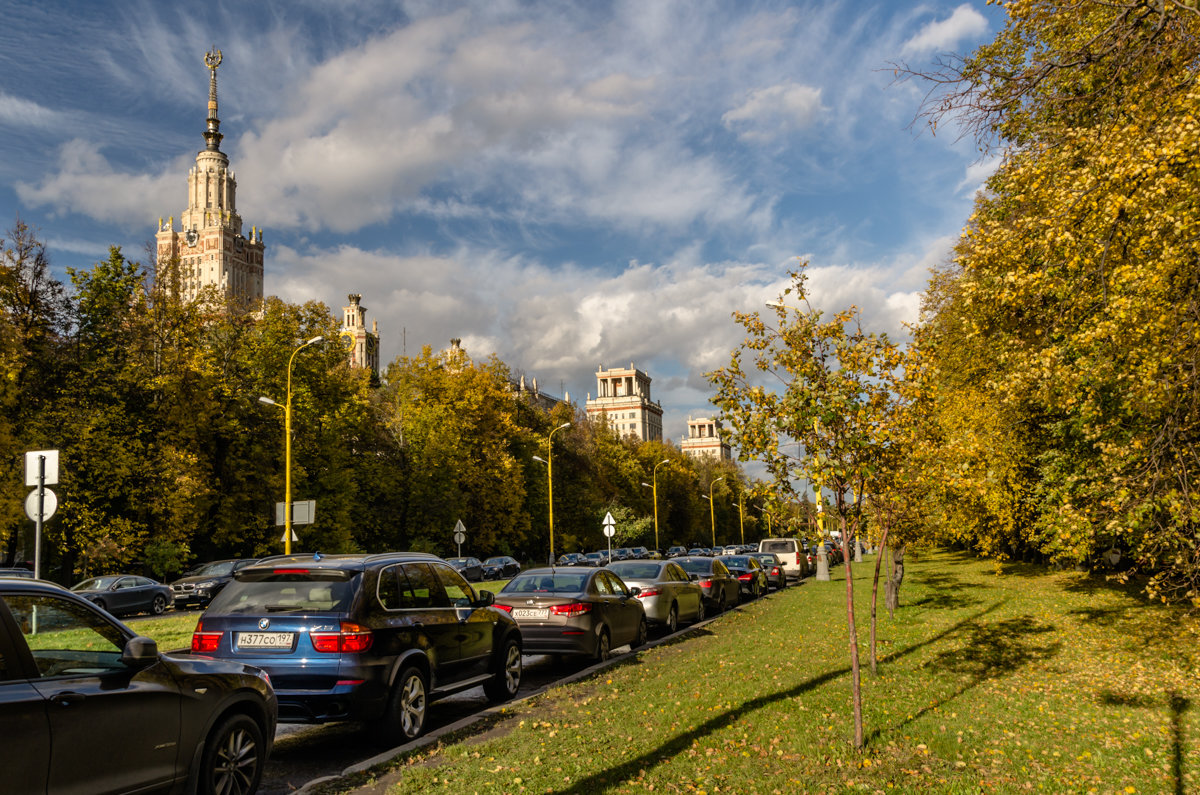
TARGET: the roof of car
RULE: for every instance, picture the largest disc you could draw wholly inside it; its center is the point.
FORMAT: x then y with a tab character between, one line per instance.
340	561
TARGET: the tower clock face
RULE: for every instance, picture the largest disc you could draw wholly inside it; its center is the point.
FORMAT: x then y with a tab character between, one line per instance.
191	238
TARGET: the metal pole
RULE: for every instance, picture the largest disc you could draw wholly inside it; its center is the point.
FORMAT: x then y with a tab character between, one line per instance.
37	532
654	481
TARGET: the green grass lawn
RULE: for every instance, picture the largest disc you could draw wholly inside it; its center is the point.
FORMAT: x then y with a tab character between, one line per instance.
1012	682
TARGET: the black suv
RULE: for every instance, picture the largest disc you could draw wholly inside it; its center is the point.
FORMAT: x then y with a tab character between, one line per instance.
197	587
88	706
363	637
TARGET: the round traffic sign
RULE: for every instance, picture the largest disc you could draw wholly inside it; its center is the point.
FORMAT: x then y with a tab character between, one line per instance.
459	538
609	531
49	504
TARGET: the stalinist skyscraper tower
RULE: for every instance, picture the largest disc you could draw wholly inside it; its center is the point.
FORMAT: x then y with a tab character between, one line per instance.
209	244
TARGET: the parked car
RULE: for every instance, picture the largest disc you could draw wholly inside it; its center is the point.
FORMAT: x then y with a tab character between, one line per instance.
773	568
623	553
586	612
720	588
368	638
99	709
122	594
699	552
197	587
666	592
17	572
640	553
501	567
597	558
573	559
470	568
752	580
791	555
676	552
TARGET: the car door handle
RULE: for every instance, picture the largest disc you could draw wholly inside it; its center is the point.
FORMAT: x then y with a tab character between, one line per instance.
67	698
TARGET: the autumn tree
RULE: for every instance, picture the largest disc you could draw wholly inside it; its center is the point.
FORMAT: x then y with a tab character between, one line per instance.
821	382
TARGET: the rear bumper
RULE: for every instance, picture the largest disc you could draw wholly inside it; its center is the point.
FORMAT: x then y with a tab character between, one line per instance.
557	640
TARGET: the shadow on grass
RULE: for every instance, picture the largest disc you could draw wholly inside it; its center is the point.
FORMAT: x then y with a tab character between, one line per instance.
681	743
945	601
1176	705
988	652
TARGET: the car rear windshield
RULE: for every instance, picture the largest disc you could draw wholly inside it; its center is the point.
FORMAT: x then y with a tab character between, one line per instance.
778	546
696	566
546	583
636	571
287	591
737	561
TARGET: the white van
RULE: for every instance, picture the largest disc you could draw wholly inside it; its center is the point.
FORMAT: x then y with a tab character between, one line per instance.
790	552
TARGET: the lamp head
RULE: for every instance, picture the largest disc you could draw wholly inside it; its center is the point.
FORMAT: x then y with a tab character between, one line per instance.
539	458
315	340
268	401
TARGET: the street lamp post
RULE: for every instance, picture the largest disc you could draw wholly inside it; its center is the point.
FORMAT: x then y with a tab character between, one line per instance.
287	446
549	462
742	516
654	488
712	513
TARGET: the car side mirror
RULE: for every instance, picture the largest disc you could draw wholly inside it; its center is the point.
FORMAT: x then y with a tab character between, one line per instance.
485	599
634	591
139	652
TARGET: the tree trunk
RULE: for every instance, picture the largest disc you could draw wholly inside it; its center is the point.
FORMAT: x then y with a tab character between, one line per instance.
882	546
895	578
855	673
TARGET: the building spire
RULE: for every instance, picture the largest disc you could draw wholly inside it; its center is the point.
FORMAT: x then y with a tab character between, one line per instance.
212	133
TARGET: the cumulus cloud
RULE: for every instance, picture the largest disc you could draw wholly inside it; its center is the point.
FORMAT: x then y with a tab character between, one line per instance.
942	35
775	110
86	183
977	173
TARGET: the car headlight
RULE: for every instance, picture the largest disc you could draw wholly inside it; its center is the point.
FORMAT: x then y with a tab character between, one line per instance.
205	585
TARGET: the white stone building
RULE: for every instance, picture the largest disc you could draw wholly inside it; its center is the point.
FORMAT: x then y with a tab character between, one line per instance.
623	396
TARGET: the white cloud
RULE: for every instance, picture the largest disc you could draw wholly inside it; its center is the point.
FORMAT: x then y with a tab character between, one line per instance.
18	112
776	110
977	173
939	36
86	183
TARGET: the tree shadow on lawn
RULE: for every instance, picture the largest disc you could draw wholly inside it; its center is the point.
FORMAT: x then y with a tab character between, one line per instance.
1176	705
680	744
988	652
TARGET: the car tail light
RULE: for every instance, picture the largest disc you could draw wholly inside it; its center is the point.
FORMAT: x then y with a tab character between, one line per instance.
650	592
572	609
744	577
797	557
706	583
352	639
205	642
505	608
289	571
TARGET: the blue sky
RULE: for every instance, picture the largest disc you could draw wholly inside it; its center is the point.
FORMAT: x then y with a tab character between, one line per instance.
567	185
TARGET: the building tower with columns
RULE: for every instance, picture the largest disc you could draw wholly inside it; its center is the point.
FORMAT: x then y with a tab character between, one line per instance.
704	440
209	244
623	395
362	345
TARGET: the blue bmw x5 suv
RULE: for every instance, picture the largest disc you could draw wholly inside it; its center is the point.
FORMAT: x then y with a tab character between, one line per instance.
371	638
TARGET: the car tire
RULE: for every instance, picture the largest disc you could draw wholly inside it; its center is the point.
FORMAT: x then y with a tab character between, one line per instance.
507	681
721	604
701	611
640	638
603	646
672	620
233	758
159	606
407	707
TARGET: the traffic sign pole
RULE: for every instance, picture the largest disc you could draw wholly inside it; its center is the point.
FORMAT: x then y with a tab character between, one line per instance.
41	507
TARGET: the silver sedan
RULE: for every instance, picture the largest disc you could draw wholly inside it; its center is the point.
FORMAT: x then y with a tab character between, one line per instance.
665	591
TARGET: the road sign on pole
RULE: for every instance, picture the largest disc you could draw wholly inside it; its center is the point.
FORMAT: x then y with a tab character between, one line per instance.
460	535
47	465
610	530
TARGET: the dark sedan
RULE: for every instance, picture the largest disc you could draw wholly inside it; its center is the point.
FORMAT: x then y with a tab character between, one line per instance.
98	709
752	580
586	612
573	559
501	567
776	577
470	568
198	587
121	594
720	587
